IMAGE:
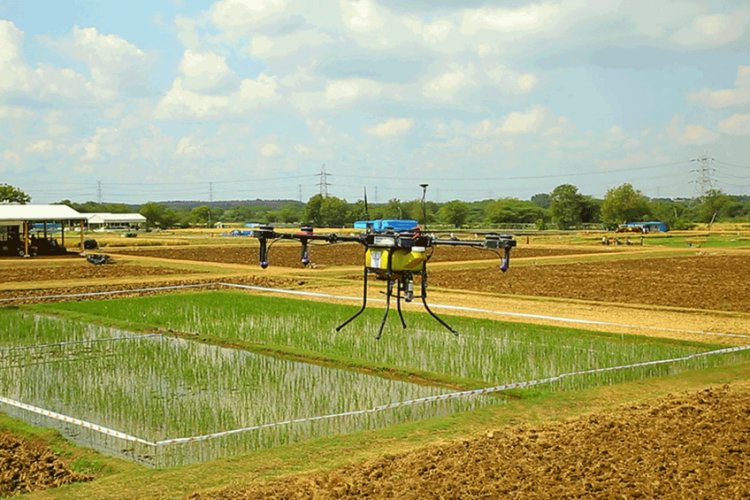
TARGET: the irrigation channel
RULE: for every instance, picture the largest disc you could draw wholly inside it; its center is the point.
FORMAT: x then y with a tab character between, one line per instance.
165	401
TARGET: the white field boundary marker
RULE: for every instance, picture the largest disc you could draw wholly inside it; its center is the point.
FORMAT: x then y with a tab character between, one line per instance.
75	421
452	395
78	342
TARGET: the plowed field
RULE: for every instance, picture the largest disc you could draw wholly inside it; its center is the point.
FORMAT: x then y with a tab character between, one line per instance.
690	446
329	255
79	270
717	282
27	466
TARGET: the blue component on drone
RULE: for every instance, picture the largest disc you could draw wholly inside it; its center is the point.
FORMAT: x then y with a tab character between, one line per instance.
383	225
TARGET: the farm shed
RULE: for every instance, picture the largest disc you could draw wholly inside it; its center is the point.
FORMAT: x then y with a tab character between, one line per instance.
16	222
110	221
645	227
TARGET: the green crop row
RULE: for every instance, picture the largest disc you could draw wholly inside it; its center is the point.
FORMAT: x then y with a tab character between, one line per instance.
486	353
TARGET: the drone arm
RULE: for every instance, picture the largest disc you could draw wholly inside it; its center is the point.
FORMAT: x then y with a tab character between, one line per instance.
265	233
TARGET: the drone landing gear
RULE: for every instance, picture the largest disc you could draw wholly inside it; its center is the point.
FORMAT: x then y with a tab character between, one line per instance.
403	282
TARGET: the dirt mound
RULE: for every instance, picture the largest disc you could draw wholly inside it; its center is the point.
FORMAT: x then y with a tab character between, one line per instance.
700	282
27	466
691	446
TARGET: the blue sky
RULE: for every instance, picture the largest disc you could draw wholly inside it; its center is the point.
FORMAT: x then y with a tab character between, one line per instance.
235	99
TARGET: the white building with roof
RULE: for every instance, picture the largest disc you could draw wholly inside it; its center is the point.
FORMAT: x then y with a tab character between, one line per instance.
110	221
17	222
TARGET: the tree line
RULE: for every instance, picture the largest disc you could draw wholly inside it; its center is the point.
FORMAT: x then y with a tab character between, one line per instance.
565	207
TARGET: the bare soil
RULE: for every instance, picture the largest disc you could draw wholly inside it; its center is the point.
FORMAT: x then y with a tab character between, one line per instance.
716	282
688	446
27	466
343	254
79	270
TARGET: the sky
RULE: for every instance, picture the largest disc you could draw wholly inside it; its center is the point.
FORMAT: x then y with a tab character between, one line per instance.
161	100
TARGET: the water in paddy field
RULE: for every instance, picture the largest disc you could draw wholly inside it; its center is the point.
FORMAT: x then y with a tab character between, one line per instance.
141	394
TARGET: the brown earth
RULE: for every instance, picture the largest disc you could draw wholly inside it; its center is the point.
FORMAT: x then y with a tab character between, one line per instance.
288	255
79	269
27	466
687	446
716	282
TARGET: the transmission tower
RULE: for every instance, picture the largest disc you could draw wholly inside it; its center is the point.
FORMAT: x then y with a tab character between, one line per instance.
210	200
99	191
323	183
704	172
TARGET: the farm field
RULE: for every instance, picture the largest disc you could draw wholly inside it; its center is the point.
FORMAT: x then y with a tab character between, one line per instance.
345	254
492	449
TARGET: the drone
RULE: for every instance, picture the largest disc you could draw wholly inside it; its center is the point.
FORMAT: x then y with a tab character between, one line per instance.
395	251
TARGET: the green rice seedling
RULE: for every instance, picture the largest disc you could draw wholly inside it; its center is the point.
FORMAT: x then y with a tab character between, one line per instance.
486	353
158	389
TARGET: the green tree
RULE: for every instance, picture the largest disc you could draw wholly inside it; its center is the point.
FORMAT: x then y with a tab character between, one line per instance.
454	212
201	214
624	204
541	199
715	205
566	206
334	212
11	194
393	209
514	211
313	210
158	215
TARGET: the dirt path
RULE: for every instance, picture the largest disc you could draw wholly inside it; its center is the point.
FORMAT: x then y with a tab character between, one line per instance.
688	446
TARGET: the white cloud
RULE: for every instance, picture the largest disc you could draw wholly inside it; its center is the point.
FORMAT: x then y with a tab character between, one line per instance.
270	149
524	123
186	147
738	96
391	127
699	135
10	43
18	78
361	16
180	102
712	29
449	84
351	90
41	147
291	45
240	17
15	113
691	134
114	62
737	124
512	81
534	17
206	72
430	32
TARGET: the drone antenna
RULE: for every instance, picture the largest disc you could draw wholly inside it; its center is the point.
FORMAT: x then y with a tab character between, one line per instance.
424	206
367	210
